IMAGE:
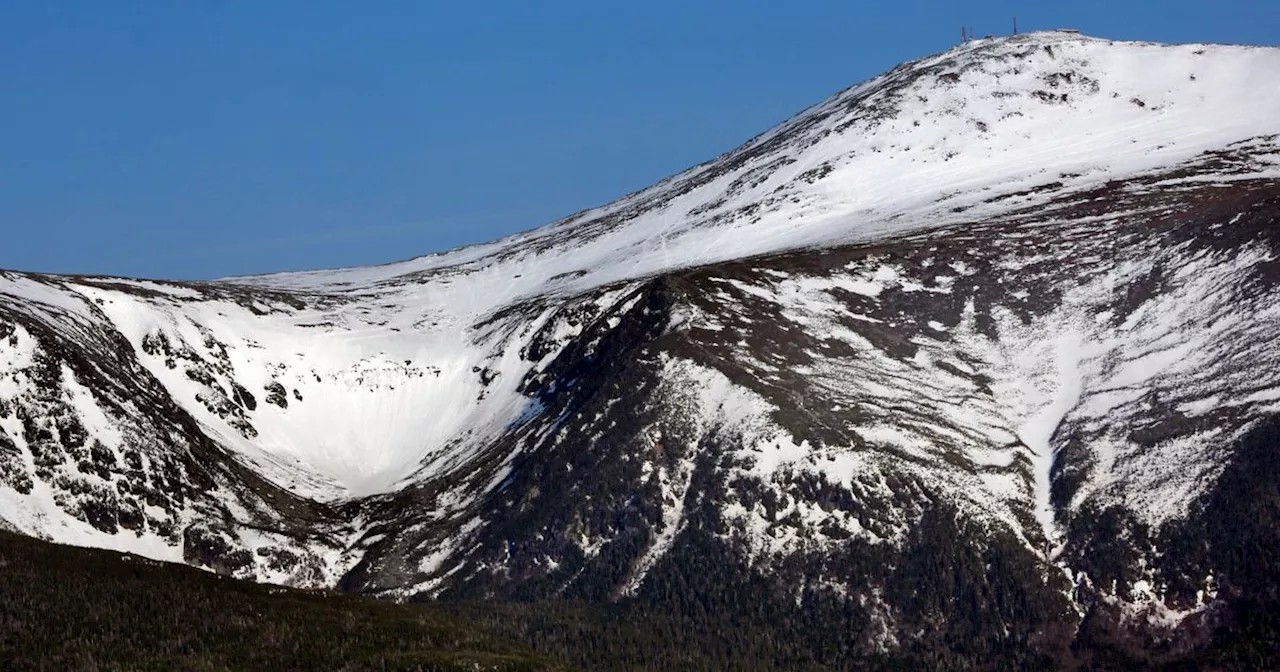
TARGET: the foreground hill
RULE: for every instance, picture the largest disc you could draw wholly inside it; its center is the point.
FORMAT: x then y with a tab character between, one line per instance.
972	363
70	609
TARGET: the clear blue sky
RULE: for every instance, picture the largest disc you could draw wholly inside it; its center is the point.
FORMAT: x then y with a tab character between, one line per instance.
202	138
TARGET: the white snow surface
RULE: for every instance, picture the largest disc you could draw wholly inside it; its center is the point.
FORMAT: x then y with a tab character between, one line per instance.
374	394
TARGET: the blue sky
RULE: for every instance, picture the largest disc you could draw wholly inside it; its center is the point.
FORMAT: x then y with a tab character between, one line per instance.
199	139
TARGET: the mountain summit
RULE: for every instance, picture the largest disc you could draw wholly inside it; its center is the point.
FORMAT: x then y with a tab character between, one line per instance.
942	140
974	357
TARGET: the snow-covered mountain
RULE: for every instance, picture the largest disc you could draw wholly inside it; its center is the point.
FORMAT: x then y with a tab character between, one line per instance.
1006	311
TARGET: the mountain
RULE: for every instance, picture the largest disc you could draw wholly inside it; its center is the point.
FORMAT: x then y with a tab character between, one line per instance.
970	362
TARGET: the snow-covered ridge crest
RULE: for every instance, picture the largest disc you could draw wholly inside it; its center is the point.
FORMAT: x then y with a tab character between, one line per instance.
944	139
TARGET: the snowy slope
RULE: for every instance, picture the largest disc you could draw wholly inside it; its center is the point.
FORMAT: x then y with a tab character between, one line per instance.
1012	287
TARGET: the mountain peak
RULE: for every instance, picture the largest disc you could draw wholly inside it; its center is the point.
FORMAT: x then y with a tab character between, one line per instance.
992	329
933	142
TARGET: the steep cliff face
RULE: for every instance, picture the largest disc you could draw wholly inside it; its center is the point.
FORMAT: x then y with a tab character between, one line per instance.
973	357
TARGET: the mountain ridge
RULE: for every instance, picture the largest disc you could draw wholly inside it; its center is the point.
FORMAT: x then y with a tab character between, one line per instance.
1042	347
939	71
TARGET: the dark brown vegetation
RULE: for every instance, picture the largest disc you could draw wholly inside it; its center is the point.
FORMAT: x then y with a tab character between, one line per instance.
66	608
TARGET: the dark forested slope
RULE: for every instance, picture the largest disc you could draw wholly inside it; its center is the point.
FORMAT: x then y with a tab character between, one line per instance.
64	608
